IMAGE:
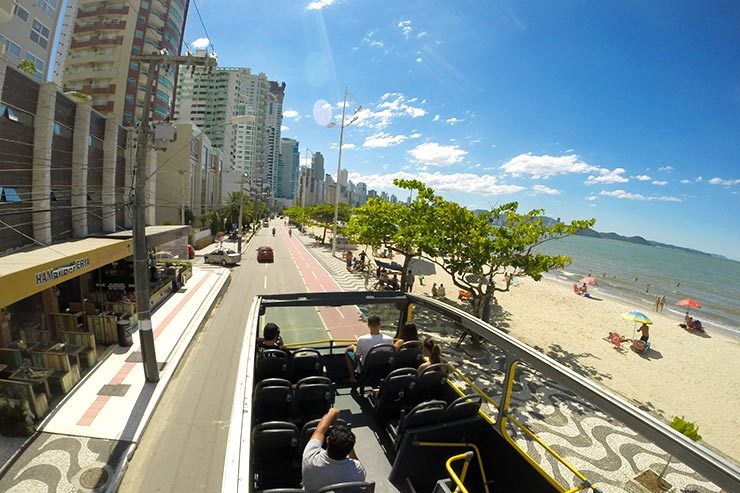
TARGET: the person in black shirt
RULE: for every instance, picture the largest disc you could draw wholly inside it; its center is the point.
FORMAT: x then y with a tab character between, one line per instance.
271	339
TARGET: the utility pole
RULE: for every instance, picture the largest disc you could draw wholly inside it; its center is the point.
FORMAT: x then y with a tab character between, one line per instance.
241	210
141	272
339	167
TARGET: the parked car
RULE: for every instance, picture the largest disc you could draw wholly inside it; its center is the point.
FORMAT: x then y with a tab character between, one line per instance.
223	257
265	223
265	254
164	256
191	252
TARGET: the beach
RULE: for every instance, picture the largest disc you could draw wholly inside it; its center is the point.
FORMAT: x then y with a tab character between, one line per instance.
684	374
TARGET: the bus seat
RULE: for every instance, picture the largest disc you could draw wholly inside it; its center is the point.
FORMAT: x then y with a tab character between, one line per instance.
424	414
313	398
463	407
310	427
393	395
431	383
306	362
408	355
353	487
273	400
276	458
376	365
273	363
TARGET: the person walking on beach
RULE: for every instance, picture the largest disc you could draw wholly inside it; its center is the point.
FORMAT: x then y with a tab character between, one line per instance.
441	293
662	303
409	281
657	304
348	259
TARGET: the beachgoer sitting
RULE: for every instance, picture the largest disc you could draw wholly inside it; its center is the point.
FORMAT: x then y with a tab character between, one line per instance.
577	289
616	339
584	291
434	290
645	331
441	293
394	283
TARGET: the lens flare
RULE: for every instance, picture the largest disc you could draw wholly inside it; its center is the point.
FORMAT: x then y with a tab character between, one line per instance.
322	112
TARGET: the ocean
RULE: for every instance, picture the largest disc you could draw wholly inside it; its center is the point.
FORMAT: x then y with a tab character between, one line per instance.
624	270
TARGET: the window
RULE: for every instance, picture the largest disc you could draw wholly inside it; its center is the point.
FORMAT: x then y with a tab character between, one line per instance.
129	98
37	62
9	195
20	12
10	47
144	5
62	131
15	115
48	6
139	34
40	34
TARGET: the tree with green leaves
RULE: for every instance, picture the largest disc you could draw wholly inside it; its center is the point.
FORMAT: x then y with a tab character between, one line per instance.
686	428
320	215
403	229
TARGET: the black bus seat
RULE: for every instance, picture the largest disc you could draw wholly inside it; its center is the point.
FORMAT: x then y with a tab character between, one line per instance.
313	398
273	400
375	365
424	414
306	362
393	395
276	458
310	427
431	383
408	355
463	407
353	487
273	363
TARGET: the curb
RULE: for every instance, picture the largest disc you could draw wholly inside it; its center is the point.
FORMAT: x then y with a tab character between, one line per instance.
120	470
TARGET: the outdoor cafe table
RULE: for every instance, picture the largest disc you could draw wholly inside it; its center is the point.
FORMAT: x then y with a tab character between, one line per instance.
34	376
73	352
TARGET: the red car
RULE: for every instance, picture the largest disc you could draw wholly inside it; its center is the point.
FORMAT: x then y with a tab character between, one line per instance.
264	254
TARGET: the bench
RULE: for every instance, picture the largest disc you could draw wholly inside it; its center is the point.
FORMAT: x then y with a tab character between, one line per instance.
87	340
38	402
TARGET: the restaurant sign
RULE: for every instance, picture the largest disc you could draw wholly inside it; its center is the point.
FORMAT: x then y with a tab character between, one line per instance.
46	276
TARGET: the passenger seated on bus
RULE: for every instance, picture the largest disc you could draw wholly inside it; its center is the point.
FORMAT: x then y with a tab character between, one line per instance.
271	339
408	333
431	350
356	352
338	463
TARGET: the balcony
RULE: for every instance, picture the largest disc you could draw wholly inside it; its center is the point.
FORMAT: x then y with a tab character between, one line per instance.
100	26
156	20
96	41
104	108
81	14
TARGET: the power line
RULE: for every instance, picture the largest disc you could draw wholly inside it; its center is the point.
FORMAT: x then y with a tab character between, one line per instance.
203	24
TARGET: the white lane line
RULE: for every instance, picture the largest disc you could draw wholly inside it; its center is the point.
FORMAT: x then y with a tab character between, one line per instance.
314	275
340	311
265	282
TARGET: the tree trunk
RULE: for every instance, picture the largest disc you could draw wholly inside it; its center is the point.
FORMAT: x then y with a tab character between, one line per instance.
406	262
665	468
323	236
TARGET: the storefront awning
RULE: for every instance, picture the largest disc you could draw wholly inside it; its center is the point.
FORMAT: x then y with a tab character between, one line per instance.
155	235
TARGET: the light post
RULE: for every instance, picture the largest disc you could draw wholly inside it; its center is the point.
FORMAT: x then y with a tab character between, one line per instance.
358	107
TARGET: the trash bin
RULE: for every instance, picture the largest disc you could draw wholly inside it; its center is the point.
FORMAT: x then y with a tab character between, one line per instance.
124	333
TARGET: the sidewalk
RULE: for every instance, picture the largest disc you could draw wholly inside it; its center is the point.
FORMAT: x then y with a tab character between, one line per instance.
83	443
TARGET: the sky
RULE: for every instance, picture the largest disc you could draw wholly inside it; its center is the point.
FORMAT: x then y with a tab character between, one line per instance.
625	111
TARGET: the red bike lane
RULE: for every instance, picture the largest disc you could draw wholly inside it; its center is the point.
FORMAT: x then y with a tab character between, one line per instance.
342	322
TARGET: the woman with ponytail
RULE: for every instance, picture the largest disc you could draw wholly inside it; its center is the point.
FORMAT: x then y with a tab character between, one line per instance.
432	351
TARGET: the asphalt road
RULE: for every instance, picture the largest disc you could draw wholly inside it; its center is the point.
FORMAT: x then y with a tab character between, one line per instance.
183	447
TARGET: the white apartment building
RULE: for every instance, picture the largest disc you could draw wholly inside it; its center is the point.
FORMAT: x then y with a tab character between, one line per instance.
29	34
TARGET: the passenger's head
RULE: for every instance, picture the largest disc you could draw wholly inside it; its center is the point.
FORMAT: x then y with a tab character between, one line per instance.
271	332
409	333
373	322
432	350
339	441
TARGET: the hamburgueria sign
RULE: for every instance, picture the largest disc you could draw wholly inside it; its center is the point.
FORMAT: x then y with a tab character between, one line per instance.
59	272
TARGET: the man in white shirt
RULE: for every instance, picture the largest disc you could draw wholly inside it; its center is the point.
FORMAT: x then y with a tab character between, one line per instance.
357	352
338	463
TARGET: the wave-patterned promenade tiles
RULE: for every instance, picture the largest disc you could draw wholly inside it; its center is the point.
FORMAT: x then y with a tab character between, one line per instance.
608	453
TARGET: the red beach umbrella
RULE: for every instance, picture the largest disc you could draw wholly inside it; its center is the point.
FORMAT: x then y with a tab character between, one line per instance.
589	280
689	303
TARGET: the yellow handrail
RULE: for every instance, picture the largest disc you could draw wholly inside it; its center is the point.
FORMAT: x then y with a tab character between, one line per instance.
467	456
474	387
461	444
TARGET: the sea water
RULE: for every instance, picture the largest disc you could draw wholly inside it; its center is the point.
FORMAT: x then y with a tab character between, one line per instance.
624	270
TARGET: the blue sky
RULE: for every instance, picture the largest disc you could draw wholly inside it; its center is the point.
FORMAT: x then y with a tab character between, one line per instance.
625	111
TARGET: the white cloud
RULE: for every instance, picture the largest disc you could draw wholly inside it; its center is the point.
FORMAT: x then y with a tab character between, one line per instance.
200	44
699	179
405	28
642	177
726	183
666	169
373	42
415	135
608	176
659	183
454	182
544	166
621	194
382	139
386	111
541	189
433	154
291	114
591	198
436	118
283	128
422	34
419	60
686	182
453	120
319	4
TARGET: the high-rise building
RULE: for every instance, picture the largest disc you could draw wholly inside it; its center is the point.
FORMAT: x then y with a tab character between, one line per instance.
210	99
97	40
29	34
288	166
317	167
343	177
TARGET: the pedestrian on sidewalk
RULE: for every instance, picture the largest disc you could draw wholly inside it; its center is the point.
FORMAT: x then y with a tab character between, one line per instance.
348	259
409	281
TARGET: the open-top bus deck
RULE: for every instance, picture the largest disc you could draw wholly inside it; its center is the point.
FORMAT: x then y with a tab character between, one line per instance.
498	416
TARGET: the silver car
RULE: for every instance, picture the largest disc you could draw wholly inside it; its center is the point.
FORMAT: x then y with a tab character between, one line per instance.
223	257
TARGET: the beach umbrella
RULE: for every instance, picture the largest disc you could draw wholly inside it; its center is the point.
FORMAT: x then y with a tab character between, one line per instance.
636	317
589	280
688	303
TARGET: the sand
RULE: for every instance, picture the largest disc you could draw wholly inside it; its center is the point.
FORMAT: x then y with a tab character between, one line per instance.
684	374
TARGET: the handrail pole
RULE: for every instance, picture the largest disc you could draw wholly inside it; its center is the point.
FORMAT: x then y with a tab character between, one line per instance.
467	456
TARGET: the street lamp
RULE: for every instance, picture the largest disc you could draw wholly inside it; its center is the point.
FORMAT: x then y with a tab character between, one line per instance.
239	120
355	116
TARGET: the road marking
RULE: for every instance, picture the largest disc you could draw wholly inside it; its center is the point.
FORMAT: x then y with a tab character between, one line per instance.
265	282
314	275
340	311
